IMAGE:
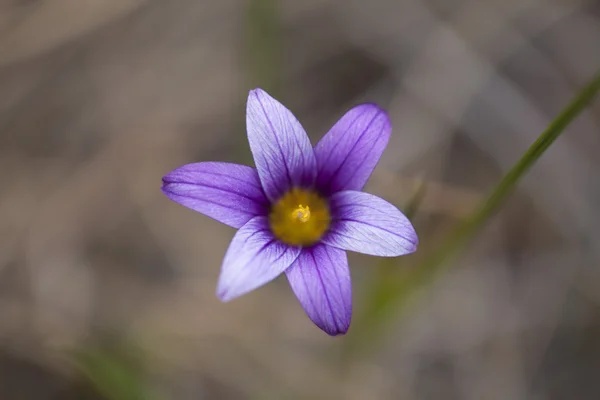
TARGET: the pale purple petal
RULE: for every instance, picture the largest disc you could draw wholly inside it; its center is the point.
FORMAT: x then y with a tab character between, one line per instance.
368	224
229	193
254	258
282	151
320	278
348	153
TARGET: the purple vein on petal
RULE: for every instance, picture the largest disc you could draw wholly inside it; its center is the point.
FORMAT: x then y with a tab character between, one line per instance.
228	193
335	271
339	218
287	170
350	126
307	288
253	258
234	178
350	150
237	210
263	202
224	292
353	146
375	142
333	315
380	228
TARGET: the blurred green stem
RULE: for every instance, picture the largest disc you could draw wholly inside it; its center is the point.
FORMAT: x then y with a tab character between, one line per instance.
504	188
390	292
261	59
262	45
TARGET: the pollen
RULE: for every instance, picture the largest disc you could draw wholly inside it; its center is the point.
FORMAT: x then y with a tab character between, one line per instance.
302	213
300	217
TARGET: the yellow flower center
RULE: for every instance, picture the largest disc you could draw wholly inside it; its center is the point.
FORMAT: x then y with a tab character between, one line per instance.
300	217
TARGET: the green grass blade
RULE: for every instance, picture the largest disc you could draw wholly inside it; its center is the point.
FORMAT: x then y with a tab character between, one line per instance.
390	294
113	376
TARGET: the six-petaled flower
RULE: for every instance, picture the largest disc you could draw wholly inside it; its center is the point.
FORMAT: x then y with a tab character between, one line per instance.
300	209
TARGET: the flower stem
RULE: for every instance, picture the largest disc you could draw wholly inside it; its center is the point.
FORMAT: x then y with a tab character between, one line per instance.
508	183
389	296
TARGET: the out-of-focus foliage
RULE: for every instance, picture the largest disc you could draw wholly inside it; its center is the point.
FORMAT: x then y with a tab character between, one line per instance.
116	375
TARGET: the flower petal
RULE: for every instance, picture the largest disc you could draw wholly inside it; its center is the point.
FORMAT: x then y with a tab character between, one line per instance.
254	258
229	193
348	153
320	278
282	152
368	224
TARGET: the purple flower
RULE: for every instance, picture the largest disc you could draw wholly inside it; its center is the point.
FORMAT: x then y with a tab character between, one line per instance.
300	209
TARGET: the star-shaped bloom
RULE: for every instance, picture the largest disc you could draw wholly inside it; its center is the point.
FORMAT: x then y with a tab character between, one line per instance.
300	209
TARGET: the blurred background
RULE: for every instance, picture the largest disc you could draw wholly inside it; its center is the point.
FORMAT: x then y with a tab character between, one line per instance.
107	289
